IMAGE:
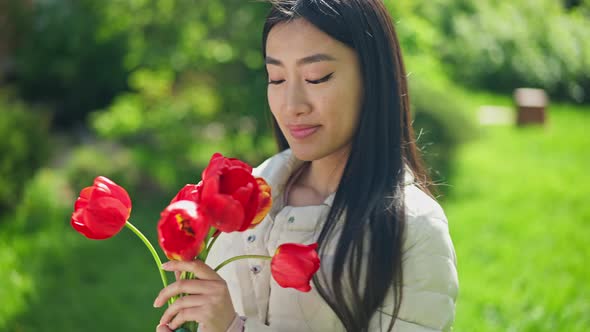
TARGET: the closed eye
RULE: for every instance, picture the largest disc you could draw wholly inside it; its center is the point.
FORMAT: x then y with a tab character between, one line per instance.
321	80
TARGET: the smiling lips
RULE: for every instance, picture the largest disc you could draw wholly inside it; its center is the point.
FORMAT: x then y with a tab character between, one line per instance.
302	131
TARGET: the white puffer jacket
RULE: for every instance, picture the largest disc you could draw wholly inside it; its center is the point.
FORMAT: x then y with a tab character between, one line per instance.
430	282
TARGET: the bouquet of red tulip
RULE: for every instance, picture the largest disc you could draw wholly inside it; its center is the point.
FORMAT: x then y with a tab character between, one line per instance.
227	199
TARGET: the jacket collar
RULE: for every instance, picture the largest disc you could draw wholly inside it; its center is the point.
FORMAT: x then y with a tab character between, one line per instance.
277	170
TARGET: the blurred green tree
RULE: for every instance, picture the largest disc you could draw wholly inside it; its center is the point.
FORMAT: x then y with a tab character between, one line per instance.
64	58
24	147
197	85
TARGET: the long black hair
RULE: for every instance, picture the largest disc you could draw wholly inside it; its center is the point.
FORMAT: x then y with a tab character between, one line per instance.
369	202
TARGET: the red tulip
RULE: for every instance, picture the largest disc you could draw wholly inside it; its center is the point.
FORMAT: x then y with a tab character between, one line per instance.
232	199
190	192
102	210
218	163
293	265
182	231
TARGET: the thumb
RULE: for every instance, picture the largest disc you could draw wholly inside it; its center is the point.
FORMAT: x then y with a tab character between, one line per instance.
200	269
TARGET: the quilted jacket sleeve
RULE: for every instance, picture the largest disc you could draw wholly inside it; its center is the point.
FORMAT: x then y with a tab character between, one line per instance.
430	283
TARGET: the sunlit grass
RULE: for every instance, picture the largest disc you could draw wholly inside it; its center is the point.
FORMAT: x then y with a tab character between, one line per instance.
520	221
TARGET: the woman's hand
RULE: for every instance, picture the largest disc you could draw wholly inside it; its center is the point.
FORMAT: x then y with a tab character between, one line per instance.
207	301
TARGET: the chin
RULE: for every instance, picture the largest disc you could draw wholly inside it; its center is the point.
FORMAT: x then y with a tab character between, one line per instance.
306	153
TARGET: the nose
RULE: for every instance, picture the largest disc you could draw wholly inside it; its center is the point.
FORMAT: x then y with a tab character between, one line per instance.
296	102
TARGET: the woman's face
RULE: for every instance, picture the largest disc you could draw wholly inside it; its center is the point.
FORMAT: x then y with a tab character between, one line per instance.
315	89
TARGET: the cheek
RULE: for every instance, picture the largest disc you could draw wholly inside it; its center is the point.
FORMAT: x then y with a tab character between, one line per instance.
273	103
341	107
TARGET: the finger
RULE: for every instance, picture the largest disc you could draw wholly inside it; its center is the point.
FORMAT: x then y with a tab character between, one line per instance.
182	303
177	275
190	286
192	314
163	328
200	269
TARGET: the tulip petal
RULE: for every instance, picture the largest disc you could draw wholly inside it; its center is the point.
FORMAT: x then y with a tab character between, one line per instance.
223	212
215	166
79	224
190	192
116	191
264	201
234	162
86	192
105	216
242	194
218	164
243	187
97	201
210	186
82	201
235	178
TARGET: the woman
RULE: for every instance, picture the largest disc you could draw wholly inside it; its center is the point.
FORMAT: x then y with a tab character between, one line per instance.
348	177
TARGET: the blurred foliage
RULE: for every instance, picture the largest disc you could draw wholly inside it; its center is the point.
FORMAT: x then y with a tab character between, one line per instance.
46	203
88	161
65	58
442	122
174	81
580	6
197	86
503	45
33	237
54	279
77	55
442	118
24	147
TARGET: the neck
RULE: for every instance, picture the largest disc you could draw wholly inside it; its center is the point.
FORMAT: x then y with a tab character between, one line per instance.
323	175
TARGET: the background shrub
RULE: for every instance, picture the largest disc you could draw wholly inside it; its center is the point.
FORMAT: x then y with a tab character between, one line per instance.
35	235
503	45
86	162
69	58
24	147
442	122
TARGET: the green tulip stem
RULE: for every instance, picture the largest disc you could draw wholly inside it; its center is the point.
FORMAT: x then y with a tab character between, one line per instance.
211	243
227	261
153	251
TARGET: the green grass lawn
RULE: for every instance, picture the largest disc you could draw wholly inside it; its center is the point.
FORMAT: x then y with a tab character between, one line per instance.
520	221
518	213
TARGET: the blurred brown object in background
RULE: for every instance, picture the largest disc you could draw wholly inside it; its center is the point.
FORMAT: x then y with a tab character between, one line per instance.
531	106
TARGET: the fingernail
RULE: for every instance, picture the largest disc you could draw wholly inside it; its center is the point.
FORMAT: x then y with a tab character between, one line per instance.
156	303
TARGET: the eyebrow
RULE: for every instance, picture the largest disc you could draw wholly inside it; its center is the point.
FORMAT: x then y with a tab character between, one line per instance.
304	61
